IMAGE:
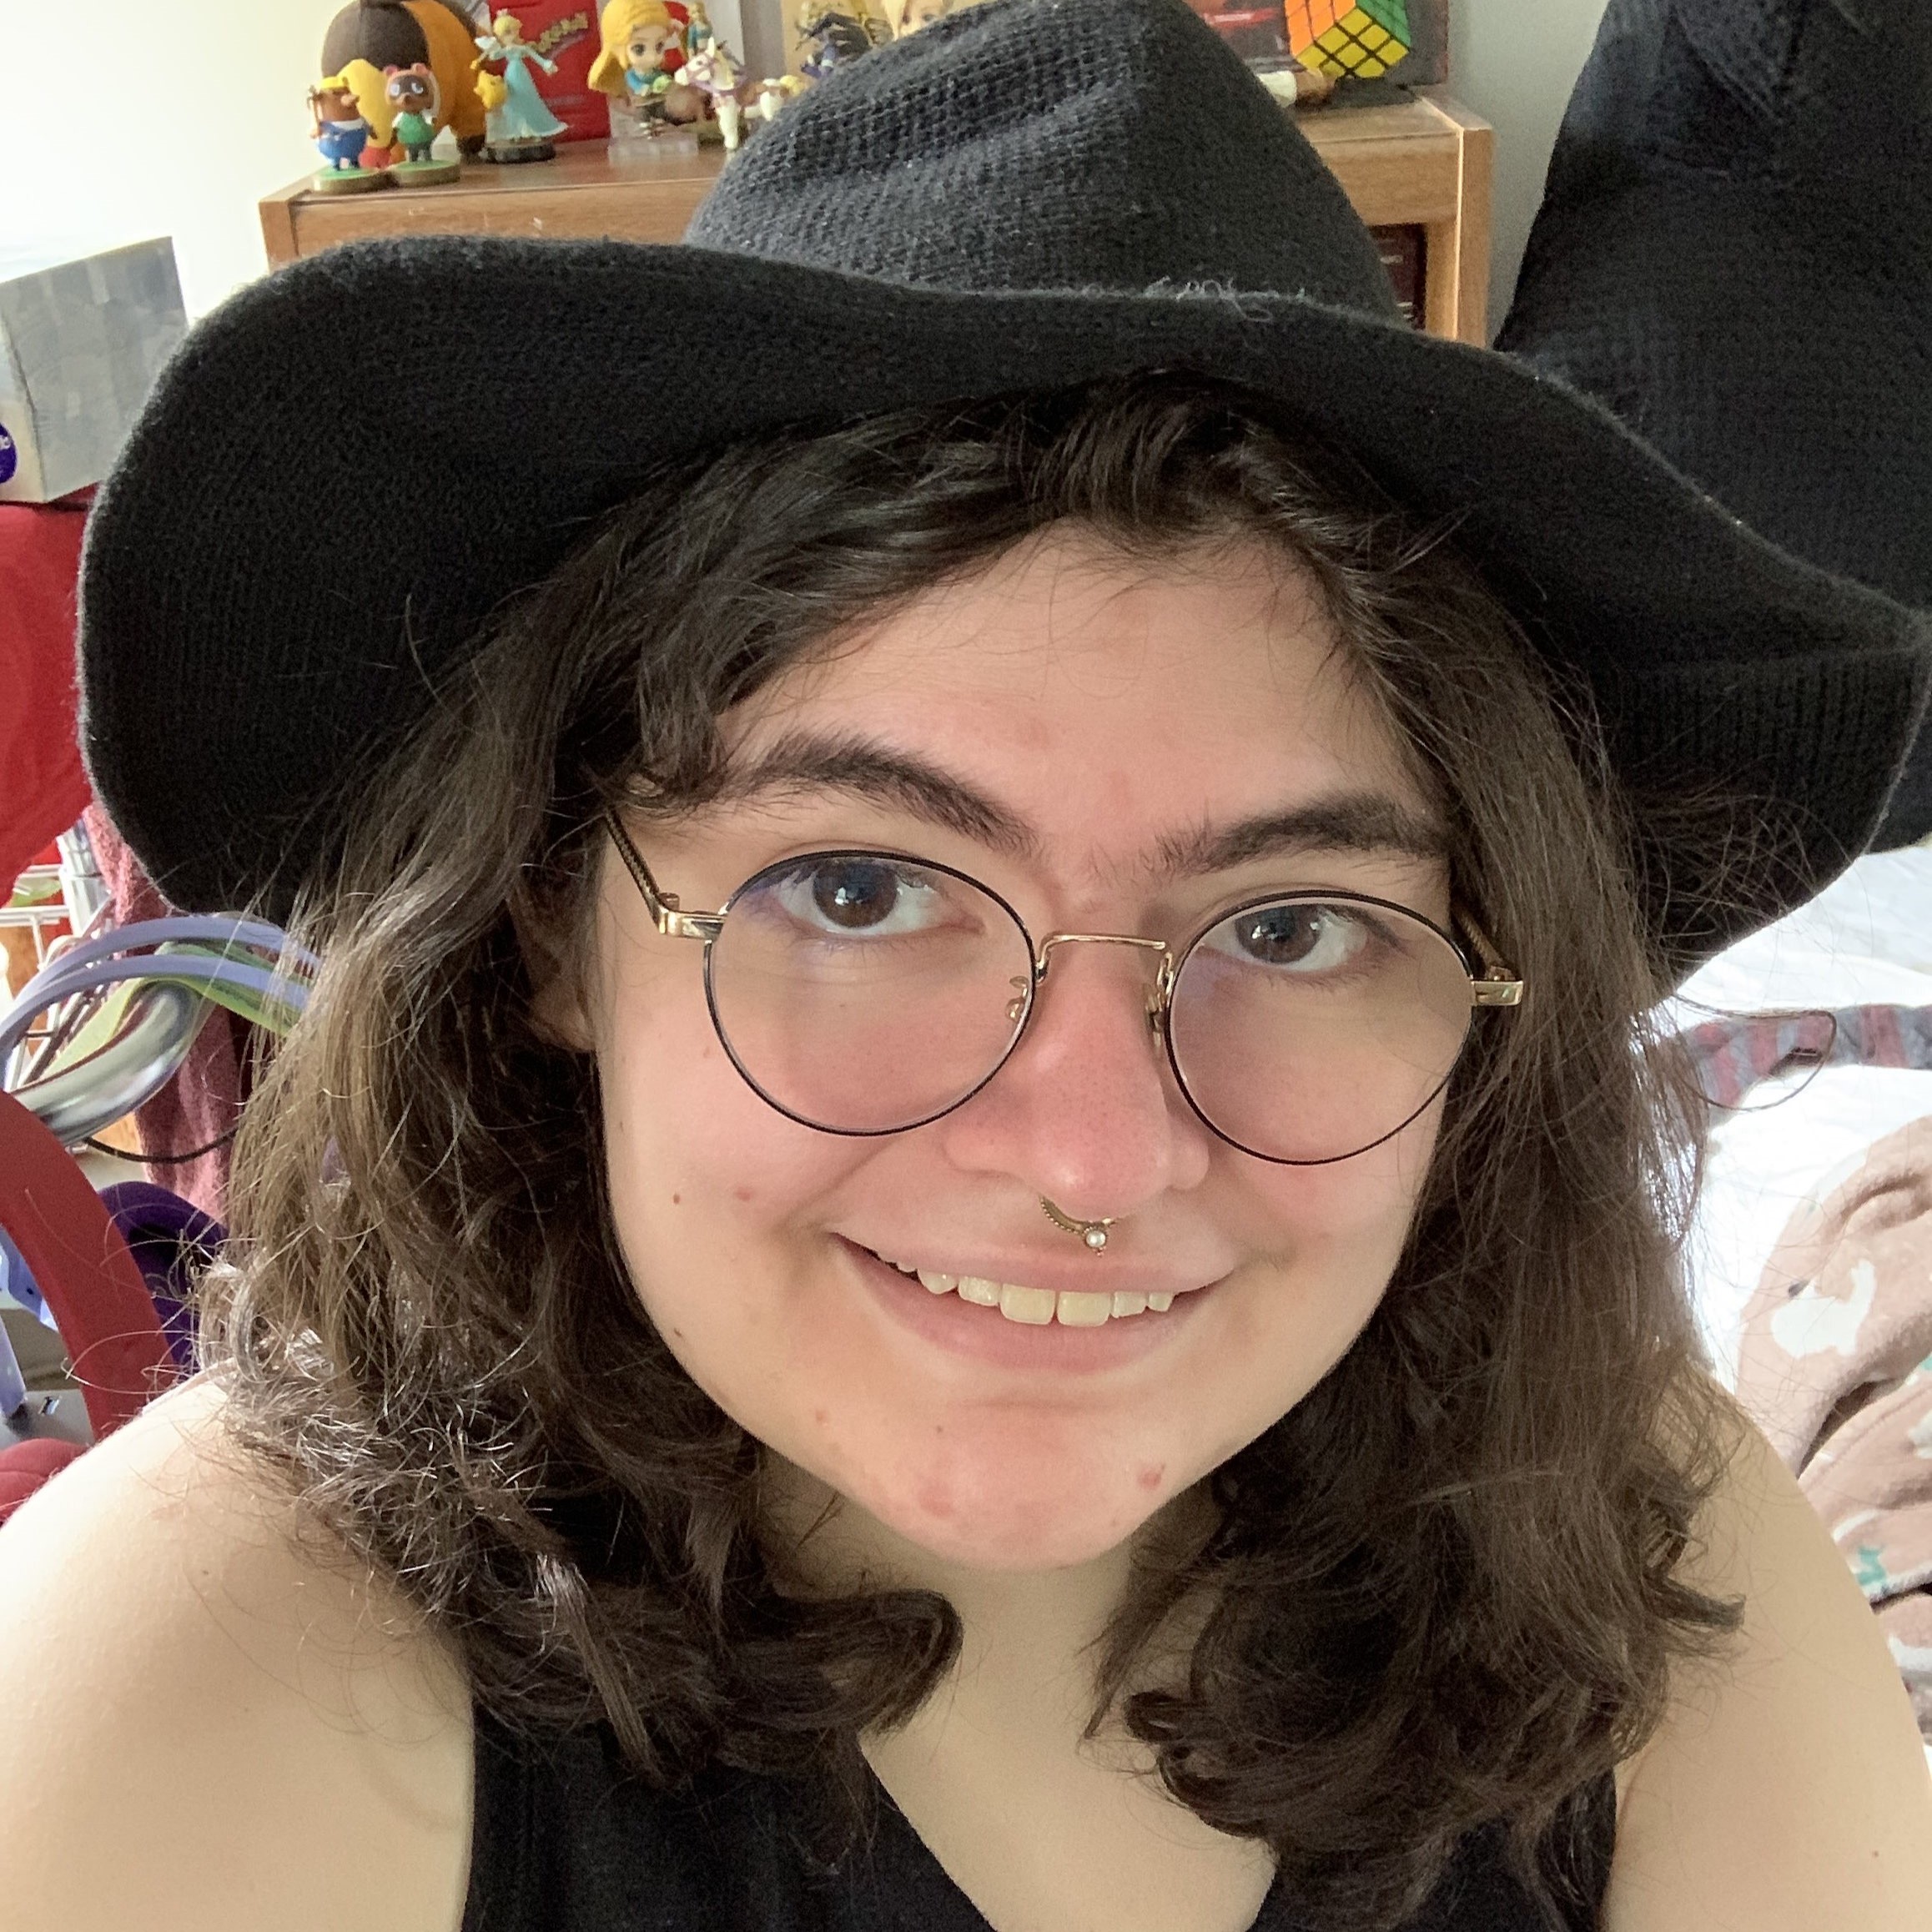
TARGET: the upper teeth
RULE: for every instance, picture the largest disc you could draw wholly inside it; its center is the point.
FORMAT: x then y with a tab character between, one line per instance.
1037	1306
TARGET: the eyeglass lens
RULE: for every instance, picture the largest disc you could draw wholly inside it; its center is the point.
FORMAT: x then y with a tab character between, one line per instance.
865	994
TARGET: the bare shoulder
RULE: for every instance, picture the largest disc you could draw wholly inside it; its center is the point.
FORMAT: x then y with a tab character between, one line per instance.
1786	1789
208	1722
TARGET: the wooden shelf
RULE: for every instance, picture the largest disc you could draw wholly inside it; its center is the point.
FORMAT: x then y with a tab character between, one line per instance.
1423	164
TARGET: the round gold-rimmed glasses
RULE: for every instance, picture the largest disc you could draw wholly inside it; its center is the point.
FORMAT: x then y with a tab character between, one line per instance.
864	992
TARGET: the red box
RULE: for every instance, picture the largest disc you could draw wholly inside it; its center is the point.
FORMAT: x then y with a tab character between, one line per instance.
1255	29
566	33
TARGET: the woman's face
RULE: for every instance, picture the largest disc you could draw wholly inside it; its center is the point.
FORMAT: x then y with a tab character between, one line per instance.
1075	731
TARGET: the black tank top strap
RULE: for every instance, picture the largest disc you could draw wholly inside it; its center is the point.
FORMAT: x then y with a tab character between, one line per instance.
565	1838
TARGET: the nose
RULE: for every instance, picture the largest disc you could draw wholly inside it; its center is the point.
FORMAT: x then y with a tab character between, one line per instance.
1085	1112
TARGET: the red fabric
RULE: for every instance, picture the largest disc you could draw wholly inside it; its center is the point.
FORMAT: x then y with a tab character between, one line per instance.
46	788
25	1466
97	1296
204	1099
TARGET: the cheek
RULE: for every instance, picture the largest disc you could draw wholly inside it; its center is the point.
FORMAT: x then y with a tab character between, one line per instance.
710	1188
1326	1241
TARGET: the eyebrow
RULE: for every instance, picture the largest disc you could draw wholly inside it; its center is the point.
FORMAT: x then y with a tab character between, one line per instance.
1357	821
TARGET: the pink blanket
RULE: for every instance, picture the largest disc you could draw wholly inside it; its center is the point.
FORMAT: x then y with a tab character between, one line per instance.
1835	1366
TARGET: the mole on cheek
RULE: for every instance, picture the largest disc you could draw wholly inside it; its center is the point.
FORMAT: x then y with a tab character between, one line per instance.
676	1200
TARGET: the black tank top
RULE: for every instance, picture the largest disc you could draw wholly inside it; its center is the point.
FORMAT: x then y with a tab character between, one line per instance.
565	1840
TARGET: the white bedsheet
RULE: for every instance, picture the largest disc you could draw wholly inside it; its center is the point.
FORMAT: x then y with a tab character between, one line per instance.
1865	940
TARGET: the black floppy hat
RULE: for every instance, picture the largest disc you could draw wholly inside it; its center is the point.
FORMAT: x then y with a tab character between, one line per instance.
1734	252
1028	195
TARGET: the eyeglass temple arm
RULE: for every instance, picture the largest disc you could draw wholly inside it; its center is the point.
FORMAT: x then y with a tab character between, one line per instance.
661	906
1499	986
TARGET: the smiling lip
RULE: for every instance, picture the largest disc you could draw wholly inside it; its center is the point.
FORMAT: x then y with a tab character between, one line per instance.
981	1334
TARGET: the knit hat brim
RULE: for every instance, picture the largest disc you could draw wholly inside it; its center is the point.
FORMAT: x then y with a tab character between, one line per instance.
264	597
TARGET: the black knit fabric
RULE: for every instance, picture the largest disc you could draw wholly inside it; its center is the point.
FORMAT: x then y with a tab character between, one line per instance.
564	1841
1735	251
1031	193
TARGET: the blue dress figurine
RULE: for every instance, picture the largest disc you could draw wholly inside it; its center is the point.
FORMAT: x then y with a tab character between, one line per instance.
521	115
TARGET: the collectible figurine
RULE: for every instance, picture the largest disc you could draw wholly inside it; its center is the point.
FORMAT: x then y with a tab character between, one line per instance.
340	132
369	37
830	32
772	95
1294	85
643	51
904	17
414	99
700	34
716	75
521	127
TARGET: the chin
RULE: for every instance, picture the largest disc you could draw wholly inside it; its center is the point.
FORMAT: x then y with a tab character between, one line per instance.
986	1515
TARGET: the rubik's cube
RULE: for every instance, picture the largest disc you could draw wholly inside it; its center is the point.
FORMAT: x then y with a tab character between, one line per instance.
1361	38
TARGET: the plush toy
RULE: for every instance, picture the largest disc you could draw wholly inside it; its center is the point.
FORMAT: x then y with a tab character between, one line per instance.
366	39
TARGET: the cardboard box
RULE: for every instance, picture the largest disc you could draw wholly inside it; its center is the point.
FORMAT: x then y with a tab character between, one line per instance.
81	342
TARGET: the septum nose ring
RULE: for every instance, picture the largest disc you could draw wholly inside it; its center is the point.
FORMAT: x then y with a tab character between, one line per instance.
1093	1233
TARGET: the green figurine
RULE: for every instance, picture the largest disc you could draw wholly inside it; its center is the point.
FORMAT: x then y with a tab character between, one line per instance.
416	99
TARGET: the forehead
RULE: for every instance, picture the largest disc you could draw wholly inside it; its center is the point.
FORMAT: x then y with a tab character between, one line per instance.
1134	695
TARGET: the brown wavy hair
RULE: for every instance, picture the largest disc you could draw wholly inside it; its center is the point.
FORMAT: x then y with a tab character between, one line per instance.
1446	1591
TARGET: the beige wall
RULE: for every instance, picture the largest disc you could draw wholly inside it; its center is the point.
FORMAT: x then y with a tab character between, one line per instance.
1515	62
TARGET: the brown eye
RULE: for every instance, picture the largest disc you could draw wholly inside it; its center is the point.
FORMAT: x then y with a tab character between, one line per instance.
856	895
1311	938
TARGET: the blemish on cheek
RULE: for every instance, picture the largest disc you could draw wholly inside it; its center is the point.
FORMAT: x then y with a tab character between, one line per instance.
741	1194
1150	1475
822	1415
936	1503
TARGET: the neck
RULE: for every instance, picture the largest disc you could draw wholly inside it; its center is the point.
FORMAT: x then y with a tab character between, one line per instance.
1029	1639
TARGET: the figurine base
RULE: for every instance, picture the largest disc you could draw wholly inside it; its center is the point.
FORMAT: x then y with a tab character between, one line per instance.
424	174
664	142
509	152
348	181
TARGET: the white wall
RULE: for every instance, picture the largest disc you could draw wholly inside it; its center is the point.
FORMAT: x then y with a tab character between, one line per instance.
1515	62
82	153
91	146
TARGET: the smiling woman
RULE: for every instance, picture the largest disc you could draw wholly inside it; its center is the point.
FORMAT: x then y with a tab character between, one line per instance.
1117	662
974	1224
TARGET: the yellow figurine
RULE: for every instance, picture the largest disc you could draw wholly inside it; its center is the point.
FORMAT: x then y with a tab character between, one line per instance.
642	48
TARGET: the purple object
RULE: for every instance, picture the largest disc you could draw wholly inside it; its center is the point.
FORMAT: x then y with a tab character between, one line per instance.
170	1239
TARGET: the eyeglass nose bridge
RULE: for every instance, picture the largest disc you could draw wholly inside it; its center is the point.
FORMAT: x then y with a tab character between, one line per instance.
1163	988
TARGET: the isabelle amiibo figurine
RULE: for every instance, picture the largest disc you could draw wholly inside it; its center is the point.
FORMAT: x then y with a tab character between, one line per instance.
340	133
415	101
521	127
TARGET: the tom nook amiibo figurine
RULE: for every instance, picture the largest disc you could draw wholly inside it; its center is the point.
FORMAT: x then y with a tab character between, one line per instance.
414	100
